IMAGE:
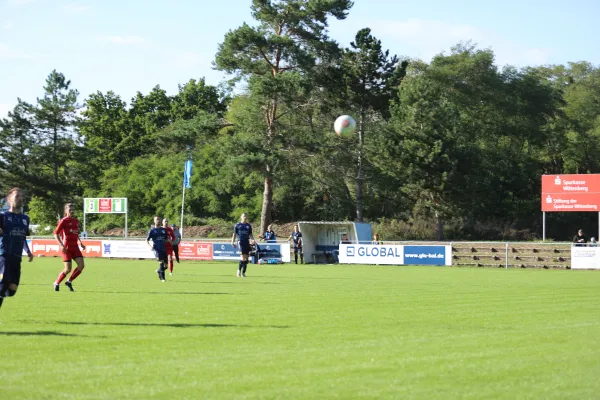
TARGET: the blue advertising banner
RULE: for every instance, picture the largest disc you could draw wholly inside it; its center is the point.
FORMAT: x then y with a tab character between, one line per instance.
424	255
225	251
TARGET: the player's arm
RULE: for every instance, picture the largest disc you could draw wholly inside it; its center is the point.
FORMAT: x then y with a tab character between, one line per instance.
234	235
148	239
81	242
57	232
26	248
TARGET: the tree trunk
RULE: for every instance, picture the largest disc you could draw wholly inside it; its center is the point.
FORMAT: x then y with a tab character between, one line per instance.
267	206
439	227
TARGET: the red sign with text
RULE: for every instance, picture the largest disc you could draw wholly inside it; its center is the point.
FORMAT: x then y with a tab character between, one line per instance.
50	248
573	192
105	205
195	251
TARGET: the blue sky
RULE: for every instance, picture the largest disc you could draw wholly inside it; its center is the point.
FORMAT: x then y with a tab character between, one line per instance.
132	45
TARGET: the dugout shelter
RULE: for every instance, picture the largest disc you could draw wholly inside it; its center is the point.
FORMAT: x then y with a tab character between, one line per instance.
321	239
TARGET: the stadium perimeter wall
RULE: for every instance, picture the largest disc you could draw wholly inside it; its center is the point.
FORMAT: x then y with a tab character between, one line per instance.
474	254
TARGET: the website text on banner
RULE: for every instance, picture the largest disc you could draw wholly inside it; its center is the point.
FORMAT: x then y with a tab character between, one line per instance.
585	257
574	193
196	251
394	254
126	249
51	248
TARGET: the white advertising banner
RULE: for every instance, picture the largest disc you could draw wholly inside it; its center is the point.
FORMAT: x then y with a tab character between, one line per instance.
126	249
585	257
371	254
395	254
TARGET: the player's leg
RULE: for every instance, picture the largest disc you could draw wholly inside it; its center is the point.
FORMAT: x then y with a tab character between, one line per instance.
296	255
65	272
240	266
160	270
163	260
301	255
2	280
245	250
9	282
170	259
244	264
176	251
80	266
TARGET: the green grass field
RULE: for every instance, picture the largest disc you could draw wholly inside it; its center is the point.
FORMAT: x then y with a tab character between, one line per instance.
301	332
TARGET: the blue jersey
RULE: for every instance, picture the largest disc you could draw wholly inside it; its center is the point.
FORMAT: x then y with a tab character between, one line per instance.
297	238
158	237
270	237
243	230
15	229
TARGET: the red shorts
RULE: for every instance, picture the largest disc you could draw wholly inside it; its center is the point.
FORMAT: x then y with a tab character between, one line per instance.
169	248
72	253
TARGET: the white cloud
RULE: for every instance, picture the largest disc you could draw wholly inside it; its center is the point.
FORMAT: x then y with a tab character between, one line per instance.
75	8
122	39
7	53
427	38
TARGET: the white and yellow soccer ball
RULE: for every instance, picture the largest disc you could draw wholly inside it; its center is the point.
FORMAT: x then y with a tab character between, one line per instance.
345	125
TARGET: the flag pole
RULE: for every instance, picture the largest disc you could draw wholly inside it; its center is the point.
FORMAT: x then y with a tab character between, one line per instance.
182	204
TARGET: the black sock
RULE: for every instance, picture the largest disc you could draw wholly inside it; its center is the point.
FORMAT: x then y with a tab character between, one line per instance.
301	258
245	265
240	266
1	300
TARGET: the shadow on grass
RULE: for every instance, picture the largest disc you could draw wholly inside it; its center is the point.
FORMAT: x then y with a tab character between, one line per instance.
232	282
174	325
169	293
42	333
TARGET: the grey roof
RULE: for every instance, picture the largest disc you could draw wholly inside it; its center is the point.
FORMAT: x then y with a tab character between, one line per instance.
326	222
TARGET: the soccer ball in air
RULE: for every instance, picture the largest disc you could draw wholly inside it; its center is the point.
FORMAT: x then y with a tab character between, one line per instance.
344	125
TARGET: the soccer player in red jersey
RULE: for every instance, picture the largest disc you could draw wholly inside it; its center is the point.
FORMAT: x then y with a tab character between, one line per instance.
67	236
169	246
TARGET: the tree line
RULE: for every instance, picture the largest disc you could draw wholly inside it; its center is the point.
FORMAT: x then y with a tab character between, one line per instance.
452	149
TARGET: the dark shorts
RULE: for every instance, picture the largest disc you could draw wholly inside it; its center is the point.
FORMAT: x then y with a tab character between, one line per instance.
161	255
73	253
245	248
297	249
10	269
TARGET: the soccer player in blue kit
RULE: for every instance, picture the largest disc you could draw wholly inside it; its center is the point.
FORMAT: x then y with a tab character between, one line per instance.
296	236
14	228
243	231
158	235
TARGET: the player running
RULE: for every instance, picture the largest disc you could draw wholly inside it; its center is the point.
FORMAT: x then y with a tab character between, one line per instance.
14	228
243	231
168	244
159	238
296	236
67	236
176	242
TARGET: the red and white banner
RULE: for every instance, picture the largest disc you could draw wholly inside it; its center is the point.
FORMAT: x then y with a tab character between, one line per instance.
51	248
195	251
574	192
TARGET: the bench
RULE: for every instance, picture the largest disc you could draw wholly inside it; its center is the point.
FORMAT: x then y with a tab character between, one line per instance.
324	252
